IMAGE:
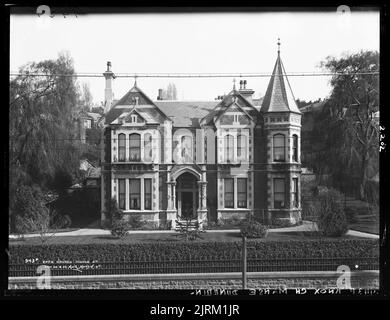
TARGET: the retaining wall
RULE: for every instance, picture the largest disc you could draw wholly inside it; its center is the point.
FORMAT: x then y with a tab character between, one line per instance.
256	280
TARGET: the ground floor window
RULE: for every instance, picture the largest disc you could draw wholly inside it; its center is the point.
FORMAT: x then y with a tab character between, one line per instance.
295	200
122	194
241	193
229	193
135	194
279	193
148	194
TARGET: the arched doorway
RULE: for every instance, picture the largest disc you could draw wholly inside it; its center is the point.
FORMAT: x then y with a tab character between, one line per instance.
187	196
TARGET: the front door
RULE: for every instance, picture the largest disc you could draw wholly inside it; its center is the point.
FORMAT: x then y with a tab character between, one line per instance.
187	204
187	196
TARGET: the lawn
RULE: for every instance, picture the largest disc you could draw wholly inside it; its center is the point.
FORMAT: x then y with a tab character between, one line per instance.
172	237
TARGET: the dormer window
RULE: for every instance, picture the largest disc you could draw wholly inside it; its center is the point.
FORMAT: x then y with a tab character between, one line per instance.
133	118
236	118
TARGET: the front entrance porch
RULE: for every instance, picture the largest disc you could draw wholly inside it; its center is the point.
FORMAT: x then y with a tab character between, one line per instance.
186	194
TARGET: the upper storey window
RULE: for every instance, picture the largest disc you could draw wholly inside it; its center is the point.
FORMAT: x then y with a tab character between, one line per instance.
241	146
279	148
229	148
295	148
135	147
122	147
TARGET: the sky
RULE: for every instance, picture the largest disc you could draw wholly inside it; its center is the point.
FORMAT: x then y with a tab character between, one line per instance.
195	43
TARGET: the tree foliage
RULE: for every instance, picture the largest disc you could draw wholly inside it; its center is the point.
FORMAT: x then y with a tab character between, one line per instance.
332	220
345	136
170	93
43	150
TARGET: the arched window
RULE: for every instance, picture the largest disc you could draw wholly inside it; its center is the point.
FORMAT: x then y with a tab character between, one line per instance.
295	148
122	147
186	148
279	148
241	146
148	147
135	147
229	148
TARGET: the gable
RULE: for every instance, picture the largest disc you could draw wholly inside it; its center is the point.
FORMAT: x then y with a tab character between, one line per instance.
134	117
240	103
135	99
233	114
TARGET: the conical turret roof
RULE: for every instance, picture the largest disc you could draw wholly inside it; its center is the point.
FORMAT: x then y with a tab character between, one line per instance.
279	96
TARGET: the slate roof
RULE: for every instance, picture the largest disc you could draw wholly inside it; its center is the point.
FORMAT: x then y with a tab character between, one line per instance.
279	96
186	113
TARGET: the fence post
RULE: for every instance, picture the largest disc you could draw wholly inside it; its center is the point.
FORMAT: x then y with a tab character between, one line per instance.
243	262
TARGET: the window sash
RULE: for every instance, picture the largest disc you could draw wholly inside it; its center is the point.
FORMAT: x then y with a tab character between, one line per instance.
241	146
229	147
295	193
279	193
135	194
135	146
241	192
295	148
147	194
122	194
229	193
121	147
279	147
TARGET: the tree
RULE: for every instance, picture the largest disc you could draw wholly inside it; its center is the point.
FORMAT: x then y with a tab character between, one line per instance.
170	93
352	105
43	110
85	97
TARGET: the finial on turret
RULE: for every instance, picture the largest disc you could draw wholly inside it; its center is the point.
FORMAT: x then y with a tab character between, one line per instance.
278	45
234	83
135	81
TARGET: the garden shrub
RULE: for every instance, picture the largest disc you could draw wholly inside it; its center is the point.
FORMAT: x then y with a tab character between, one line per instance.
119	227
253	229
351	214
135	222
165	225
332	220
281	223
271	249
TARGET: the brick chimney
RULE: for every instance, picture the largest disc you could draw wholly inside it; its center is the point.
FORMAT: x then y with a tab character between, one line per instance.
108	93
246	93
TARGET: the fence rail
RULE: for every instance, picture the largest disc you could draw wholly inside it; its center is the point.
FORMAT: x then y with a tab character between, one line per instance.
204	265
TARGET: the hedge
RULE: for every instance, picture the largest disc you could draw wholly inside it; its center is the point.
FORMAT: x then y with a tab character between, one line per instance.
319	248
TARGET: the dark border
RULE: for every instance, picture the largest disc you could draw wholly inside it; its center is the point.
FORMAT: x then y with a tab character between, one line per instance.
69	7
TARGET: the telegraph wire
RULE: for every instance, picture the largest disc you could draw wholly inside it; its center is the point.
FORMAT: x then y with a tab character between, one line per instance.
191	75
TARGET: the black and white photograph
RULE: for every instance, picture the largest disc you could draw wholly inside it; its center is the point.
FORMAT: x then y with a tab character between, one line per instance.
203	152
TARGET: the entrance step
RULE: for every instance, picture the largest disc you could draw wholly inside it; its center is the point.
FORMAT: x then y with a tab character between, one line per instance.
186	224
